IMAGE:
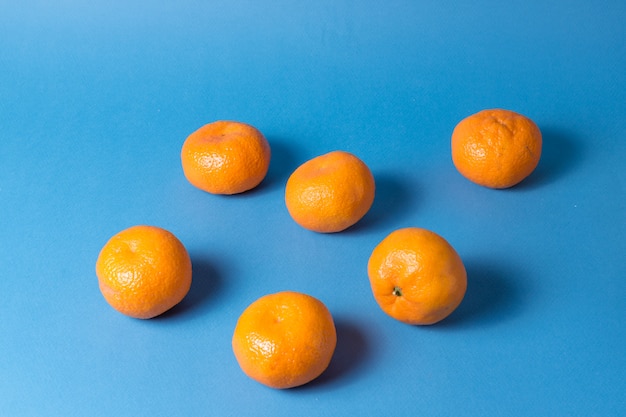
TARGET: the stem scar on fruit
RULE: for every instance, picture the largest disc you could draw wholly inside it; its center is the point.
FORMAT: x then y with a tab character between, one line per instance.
397	291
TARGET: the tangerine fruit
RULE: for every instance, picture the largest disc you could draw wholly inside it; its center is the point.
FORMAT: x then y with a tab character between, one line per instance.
496	148
285	339
143	271
330	193
225	157
416	276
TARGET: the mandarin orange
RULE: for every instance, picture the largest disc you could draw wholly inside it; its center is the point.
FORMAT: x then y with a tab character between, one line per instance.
416	276
496	148
285	339
143	271
225	157
330	193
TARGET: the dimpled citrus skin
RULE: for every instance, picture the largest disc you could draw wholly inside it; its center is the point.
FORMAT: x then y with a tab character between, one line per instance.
330	193
496	148
143	271
284	340
225	157
416	276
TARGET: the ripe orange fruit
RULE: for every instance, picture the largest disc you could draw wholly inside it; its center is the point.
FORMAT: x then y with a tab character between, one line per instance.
225	157
496	148
284	340
143	271
330	193
416	276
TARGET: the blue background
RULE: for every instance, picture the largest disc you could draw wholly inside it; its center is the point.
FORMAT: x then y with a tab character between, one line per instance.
96	99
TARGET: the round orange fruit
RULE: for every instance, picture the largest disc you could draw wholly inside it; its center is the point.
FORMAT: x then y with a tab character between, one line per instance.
225	157
330	193
496	148
416	276
143	271
285	339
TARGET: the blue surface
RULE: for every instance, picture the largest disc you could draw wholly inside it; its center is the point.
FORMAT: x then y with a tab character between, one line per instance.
96	99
